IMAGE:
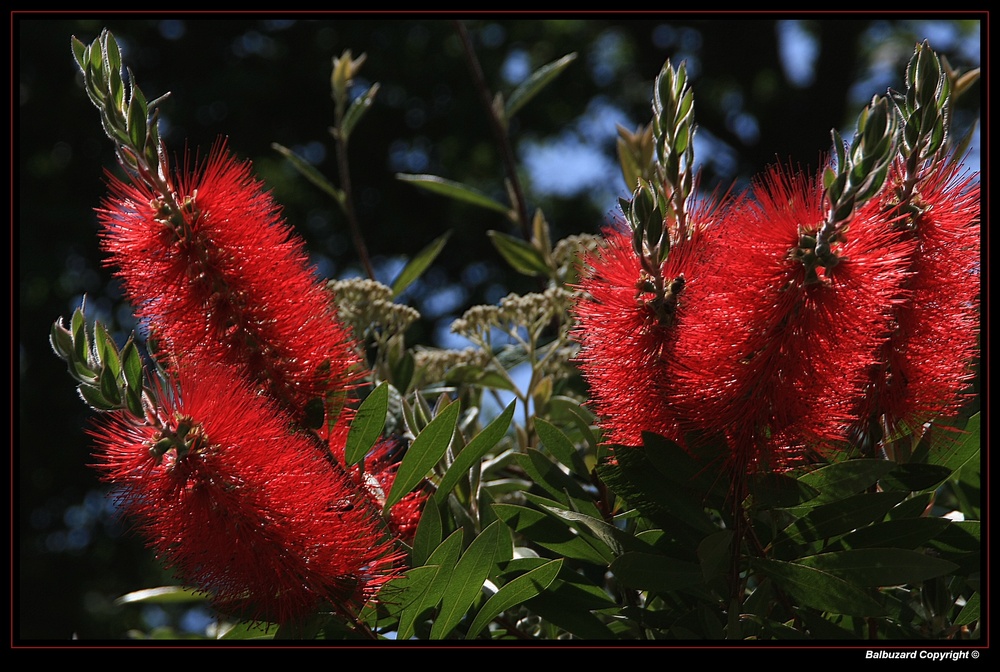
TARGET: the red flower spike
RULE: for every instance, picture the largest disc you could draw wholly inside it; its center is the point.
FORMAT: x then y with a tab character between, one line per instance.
259	518
925	366
227	280
629	342
779	356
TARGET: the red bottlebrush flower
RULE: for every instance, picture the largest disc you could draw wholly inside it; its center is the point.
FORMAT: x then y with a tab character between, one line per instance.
219	275
261	519
628	343
779	355
925	365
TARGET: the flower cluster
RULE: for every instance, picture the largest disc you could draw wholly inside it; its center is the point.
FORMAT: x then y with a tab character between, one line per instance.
810	316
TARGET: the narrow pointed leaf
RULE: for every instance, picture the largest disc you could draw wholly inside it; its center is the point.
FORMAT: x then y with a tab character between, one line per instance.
521	256
409	593
904	533
547	532
559	445
513	593
310	173
535	83
356	110
846	478
466	582
879	566
455	190
817	589
367	424
428	534
418	264
162	595
425	451
475	450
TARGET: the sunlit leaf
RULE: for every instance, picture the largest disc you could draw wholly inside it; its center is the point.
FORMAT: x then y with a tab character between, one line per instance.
310	173
466	581
367	425
522	256
455	190
418	264
535	83
515	592
475	450
425	451
162	595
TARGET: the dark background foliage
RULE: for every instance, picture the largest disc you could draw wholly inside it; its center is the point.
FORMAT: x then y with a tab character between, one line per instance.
263	79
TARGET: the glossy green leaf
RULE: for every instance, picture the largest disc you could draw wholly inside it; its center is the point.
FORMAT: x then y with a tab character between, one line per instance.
546	474
367	425
466	581
425	451
455	190
841	480
162	595
903	533
966	449
915	477
522	256
310	173
970	612
94	397
513	593
419	263
535	83
962	536
544	530
356	110
475	450
603	537
879	566
409	594
428	535
814	588
648	571
559	445
841	517
771	490
132	366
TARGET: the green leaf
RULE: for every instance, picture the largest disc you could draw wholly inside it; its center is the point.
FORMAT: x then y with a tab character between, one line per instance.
522	256
559	445
879	566
840	517
61	340
837	481
915	477
547	475
903	533
513	593
96	399
771	490
535	83
970	612
455	190
964	450
466	581
475	450
649	571
356	110
310	173
425	451
162	595
409	593
542	529
418	264
428	534
367	424
714	554
132	366
604	538
814	588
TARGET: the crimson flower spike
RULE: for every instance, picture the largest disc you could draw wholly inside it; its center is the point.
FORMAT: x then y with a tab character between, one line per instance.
209	263
925	366
239	508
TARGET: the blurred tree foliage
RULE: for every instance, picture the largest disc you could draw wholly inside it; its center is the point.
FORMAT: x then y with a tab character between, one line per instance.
259	81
